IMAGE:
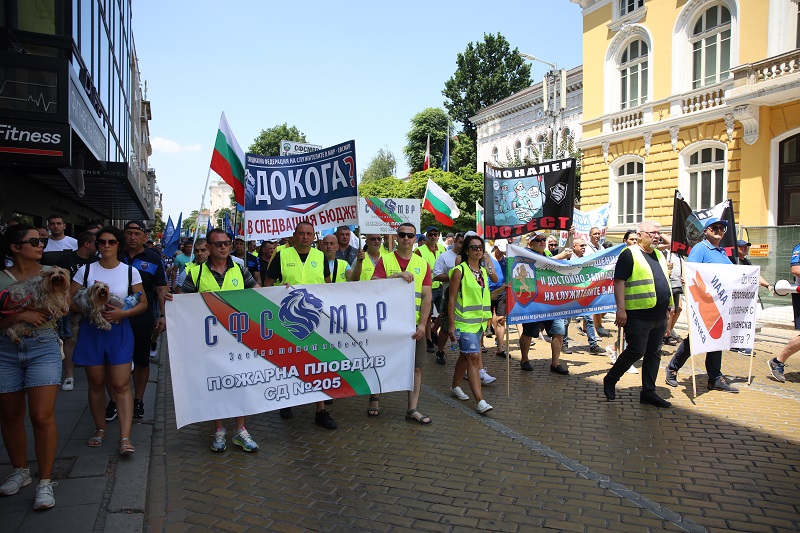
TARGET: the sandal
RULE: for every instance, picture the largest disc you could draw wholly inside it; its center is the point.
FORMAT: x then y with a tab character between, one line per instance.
125	447
373	411
423	419
96	440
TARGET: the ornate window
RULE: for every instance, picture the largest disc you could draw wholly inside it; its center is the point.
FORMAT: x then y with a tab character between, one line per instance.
629	6
529	148
633	75
630	192
711	47
495	153
518	150
706	174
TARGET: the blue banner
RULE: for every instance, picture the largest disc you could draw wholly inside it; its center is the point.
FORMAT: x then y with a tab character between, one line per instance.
317	186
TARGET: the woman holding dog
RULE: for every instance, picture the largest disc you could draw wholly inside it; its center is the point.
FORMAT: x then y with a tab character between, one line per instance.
32	366
109	352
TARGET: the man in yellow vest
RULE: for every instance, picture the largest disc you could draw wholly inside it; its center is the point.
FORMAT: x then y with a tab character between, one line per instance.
644	304
220	273
339	269
201	252
301	265
404	263
364	267
430	251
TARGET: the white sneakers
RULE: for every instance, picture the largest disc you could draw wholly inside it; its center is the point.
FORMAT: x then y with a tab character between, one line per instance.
486	379
482	407
458	393
21	477
68	385
44	496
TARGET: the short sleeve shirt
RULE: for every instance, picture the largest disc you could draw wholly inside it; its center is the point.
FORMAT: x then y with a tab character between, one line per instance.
150	267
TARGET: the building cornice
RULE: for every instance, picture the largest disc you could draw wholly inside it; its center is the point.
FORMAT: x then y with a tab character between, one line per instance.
590	6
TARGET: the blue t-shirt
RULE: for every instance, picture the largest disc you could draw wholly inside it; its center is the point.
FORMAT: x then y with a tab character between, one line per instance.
704	252
795	260
500	271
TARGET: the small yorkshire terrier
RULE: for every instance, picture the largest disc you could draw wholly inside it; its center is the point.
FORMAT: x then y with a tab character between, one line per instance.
47	292
92	302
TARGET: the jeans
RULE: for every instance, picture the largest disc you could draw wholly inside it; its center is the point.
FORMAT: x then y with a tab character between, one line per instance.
644	338
713	361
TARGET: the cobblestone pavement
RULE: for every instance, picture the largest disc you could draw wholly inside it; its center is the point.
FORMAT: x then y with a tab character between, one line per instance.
553	454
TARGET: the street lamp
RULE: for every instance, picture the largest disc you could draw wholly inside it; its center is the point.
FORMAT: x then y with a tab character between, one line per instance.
555	80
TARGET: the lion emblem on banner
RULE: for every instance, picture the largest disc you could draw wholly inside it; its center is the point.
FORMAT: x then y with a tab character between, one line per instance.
300	313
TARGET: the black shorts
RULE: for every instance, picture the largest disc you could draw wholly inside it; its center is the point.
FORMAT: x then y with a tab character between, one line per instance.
141	343
499	305
552	327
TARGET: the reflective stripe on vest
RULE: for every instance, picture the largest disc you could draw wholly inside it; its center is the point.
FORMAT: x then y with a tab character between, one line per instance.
473	304
417	266
640	288
296	272
430	258
234	280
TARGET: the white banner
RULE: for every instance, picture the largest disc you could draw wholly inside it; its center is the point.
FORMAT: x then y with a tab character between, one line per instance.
384	215
721	300
237	353
294	148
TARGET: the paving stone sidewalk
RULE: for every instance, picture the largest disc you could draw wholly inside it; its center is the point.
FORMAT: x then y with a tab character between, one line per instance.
553	454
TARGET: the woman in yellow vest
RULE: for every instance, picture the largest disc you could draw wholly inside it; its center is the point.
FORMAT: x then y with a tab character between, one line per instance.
470	303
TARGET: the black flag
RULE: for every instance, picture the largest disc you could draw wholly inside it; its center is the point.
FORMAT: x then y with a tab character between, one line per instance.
687	226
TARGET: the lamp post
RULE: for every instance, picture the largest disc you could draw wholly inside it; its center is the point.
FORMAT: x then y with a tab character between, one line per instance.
554	80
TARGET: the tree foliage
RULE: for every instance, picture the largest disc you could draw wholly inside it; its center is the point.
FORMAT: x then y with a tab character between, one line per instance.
433	121
220	221
158	223
383	165
189	222
464	187
268	142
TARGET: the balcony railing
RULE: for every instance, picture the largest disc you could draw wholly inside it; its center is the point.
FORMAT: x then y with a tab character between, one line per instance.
766	70
627	120
703	99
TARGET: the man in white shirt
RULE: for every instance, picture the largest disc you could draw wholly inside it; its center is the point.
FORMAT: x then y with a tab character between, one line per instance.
58	241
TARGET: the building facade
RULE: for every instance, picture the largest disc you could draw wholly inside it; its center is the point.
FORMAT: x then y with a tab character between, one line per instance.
519	126
74	135
696	95
219	197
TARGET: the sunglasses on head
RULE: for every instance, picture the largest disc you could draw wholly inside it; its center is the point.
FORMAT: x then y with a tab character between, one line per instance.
110	242
33	241
220	244
402	234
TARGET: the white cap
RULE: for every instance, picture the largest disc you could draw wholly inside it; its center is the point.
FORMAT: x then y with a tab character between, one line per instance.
501	244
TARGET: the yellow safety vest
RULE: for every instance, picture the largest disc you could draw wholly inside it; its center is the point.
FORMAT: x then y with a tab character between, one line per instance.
368	267
640	288
204	280
296	272
341	271
474	303
430	258
417	266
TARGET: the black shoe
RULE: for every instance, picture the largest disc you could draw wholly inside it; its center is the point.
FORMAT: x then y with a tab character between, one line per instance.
323	419
608	389
566	349
111	411
429	346
286	413
138	409
596	350
501	353
560	369
653	399
440	357
526	366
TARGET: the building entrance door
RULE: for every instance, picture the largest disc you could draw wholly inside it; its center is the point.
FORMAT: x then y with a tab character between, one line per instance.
789	182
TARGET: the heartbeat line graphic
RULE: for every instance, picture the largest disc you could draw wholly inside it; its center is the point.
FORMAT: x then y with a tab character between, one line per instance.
39	94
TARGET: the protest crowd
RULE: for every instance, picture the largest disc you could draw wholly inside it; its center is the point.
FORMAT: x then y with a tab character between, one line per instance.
100	301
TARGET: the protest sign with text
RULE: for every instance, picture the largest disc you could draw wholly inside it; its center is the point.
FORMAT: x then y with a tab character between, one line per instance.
722	305
543	288
584	221
519	200
384	215
281	191
237	353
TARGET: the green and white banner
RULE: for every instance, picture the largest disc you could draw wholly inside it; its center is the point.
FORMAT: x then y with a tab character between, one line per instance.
238	353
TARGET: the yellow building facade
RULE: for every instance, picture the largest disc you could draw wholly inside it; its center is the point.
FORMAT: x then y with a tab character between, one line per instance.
702	96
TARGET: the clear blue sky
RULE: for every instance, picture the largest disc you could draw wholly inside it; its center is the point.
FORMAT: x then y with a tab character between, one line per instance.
336	70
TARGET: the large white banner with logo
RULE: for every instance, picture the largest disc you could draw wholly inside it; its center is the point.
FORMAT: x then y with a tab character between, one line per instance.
237	353
721	300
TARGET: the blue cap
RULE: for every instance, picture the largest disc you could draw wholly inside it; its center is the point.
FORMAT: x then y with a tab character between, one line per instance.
432	228
714	220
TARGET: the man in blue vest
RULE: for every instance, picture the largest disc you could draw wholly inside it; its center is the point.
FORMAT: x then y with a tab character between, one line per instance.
644	303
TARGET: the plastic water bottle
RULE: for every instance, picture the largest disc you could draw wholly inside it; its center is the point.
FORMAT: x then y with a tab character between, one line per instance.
131	301
454	346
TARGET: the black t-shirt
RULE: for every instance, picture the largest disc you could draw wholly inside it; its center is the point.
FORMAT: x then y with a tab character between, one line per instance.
274	269
73	262
624	270
149	265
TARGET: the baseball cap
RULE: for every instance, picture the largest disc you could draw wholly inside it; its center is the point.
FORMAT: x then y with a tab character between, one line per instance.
135	224
238	238
714	220
422	238
742	242
501	244
470	234
432	228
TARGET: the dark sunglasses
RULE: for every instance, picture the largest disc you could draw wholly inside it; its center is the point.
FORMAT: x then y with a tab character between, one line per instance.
110	242
555	245
475	247
220	244
33	241
540	240
581	245
402	234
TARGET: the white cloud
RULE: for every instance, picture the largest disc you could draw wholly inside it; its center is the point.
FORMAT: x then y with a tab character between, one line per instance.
168	146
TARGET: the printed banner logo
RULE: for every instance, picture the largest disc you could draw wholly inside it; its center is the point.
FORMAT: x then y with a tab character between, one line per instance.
300	313
524	283
709	312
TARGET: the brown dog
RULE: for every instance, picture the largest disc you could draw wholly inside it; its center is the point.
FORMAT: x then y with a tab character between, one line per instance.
91	302
48	292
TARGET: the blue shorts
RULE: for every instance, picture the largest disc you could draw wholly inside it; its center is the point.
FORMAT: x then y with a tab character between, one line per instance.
34	362
470	342
97	347
552	327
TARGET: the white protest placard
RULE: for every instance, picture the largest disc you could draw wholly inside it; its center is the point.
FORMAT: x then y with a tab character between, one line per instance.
384	215
293	148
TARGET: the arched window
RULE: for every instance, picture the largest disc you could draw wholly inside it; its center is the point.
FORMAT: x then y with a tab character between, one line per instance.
711	47
529	148
705	170
518	150
630	192
495	153
633	74
565	133
629	6
540	144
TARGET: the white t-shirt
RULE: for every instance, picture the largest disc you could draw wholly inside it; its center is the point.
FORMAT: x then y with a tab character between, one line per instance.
444	264
67	243
116	278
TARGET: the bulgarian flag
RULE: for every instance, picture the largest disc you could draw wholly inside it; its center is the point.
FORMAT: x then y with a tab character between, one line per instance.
228	159
426	165
479	219
439	203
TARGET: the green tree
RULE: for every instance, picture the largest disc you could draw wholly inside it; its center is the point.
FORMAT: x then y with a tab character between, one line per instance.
158	223
433	121
462	154
383	165
220	221
486	73
268	142
189	222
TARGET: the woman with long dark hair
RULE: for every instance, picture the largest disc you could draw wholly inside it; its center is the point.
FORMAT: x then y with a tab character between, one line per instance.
30	368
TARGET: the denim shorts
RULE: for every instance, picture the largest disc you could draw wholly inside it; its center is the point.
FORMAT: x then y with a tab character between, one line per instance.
470	342
34	362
